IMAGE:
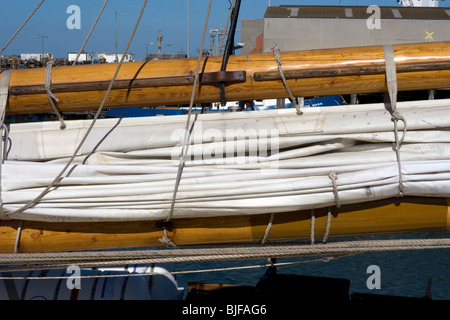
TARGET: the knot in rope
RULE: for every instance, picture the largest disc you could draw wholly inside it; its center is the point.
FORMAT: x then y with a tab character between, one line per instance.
165	240
333	176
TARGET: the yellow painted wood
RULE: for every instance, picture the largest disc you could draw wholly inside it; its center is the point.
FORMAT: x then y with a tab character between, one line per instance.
388	216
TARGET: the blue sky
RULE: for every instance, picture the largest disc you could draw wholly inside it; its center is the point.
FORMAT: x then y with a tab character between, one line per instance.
167	16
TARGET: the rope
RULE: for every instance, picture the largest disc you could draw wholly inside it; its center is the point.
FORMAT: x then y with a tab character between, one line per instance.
51	97
5	146
333	177
391	80
268	228
183	153
327	228
4	92
57	178
165	239
17	241
229	48
90	32
226	25
116	275
313	226
276	52
111	258
20	28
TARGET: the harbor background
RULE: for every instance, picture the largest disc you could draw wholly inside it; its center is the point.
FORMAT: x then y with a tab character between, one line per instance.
403	273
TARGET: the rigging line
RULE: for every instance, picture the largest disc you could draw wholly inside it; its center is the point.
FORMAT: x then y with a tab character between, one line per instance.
4	92
298	107
229	48
226	26
130	85
323	259
188	120
52	99
20	28
58	177
391	81
231	253
90	32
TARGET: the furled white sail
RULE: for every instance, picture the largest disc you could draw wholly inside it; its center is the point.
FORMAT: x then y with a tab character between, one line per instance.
237	163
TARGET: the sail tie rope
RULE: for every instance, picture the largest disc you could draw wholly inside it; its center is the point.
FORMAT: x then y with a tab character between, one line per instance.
313	226
90	32
391	80
165	239
333	177
51	97
91	126
268	228
294	101
188	130
20	28
18	234
327	228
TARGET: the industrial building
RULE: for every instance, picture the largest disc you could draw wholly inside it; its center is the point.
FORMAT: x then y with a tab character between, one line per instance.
319	27
83	57
115	57
36	56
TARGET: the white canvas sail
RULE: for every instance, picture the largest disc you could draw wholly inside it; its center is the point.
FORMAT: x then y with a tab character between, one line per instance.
237	163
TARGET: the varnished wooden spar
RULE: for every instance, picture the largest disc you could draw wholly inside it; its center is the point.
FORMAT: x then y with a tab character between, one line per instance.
387	216
206	78
169	82
349	71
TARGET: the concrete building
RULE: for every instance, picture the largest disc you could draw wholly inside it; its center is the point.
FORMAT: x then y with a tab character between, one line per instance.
317	27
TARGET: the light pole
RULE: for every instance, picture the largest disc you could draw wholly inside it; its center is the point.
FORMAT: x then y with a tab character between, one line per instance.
43	46
187	28
146	49
122	14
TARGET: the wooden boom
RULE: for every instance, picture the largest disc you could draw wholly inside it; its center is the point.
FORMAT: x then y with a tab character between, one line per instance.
386	216
248	77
